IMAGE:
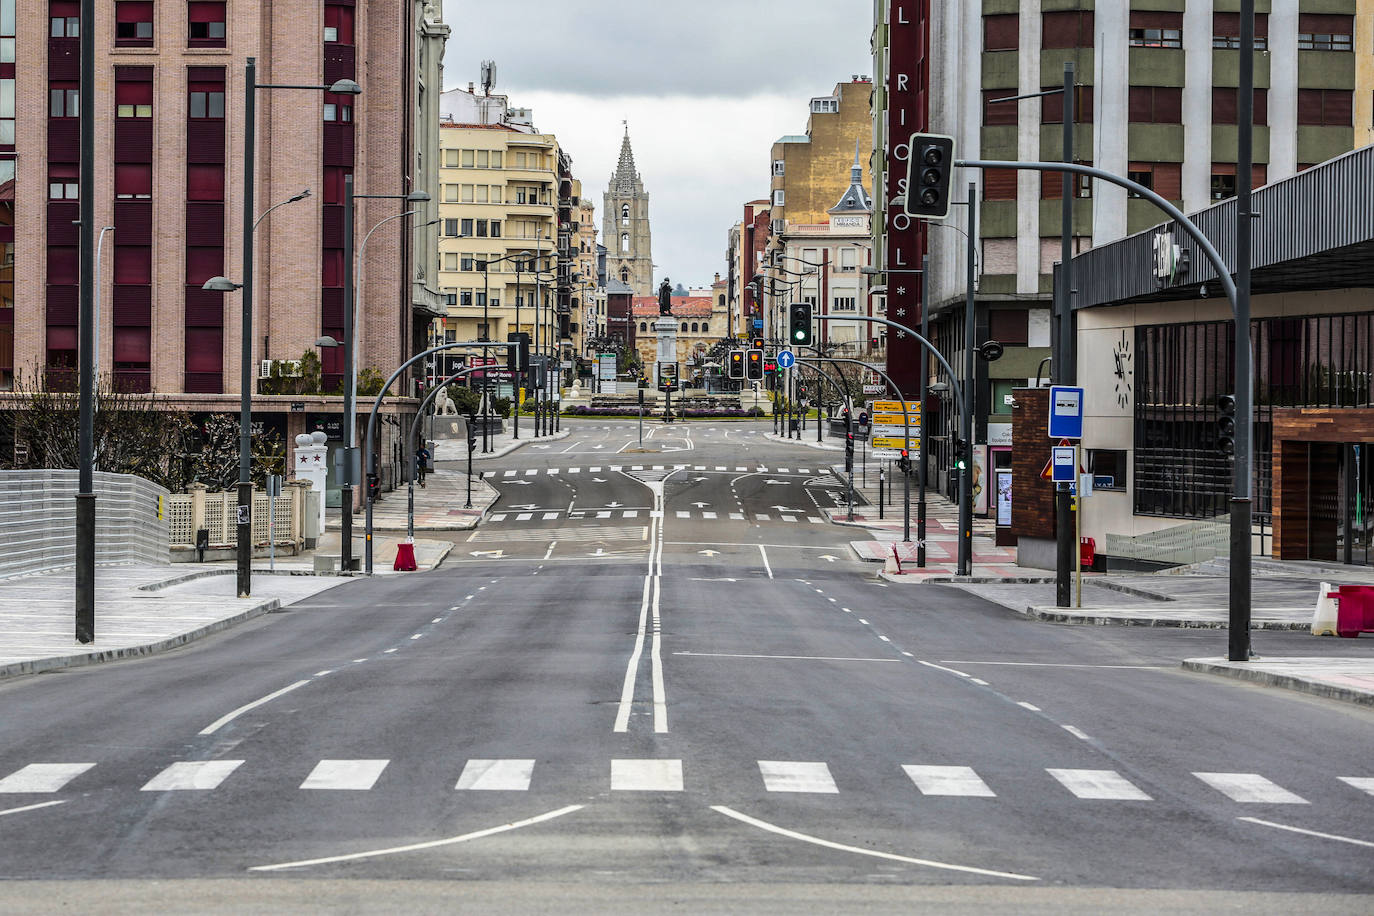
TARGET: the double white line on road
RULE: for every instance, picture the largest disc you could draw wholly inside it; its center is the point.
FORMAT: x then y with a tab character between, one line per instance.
649	603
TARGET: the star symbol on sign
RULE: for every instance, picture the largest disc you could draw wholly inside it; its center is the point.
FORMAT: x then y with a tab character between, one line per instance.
901	334
901	290
901	312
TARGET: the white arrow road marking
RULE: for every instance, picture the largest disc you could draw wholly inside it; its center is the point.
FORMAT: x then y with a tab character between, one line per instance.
783	482
700	505
599	479
487	553
520	483
709	553
828	557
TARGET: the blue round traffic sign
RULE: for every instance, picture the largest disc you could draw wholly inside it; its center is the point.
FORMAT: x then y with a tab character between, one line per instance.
786	359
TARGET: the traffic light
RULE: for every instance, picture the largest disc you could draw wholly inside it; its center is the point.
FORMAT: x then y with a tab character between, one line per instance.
960	454
932	164
374	486
472	435
904	463
754	365
801	392
799	315
849	451
736	364
756	343
518	357
1226	424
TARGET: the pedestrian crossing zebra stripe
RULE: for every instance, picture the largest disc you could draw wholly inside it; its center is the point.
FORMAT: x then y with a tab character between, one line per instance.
654	775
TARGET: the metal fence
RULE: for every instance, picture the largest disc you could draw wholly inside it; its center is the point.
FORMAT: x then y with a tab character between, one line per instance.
1193	542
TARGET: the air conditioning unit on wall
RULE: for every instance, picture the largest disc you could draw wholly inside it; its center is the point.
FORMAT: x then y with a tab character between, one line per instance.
265	369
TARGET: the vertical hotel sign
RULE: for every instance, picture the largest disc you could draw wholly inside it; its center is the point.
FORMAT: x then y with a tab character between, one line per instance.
908	110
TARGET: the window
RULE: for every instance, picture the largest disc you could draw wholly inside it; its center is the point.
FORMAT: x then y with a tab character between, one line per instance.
779	197
825	105
643	327
1052	106
624	275
337	111
481	192
466	228
1072	29
206	101
999	184
999	113
1325	32
1224	105
779	168
450	261
1150	29
496	226
133	99
1224	179
466	262
133	181
844	304
1325	107
467	159
1052	185
63	100
1156	105
450	298
1108	467
496	159
451	227
696	328
134	23
496	194
1226	31
624	243
6	110
204	181
338	24
624	214
481	228
466	195
1164	178
1001	32
450	194
465	297
64	20
1010	327
62	181
206	23
684	327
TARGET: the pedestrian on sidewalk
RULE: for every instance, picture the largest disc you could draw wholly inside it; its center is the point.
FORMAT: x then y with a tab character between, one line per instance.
422	464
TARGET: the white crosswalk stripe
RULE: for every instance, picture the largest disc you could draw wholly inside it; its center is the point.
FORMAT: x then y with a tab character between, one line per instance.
1250	788
646	775
496	775
1363	783
192	775
630	513
788	518
737	516
42	777
524	516
498	517
1099	784
814	520
948	780
603	515
352	775
574	470
548	516
761	517
797	776
681	514
708	515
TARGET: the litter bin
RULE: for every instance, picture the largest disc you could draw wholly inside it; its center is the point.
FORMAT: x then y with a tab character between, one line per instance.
1087	552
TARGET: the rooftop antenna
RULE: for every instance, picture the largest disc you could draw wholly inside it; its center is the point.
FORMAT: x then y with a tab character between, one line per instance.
488	76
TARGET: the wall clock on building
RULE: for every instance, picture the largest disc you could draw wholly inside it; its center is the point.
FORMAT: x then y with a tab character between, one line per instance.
1121	355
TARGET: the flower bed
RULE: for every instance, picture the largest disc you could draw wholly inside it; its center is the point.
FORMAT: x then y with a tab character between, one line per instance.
581	411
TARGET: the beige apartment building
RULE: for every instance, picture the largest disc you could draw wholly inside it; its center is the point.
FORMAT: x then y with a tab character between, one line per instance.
498	251
588	312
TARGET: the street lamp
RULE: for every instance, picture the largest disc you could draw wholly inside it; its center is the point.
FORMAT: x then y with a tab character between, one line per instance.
245	491
351	288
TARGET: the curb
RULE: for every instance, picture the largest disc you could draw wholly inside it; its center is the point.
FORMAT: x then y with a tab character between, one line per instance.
1057	615
1284	681
821	446
39	665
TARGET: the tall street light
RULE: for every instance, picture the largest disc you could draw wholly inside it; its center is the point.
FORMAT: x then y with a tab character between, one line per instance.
225	285
245	486
351	287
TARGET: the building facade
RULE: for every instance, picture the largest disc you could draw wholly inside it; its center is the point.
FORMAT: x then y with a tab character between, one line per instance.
170	95
810	171
499	248
625	225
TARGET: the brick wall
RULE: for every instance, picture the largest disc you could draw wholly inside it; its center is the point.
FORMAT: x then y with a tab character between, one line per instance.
1032	497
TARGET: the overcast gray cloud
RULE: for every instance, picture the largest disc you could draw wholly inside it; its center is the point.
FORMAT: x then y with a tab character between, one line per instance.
706	88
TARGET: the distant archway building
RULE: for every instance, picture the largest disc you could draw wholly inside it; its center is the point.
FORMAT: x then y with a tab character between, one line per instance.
625	226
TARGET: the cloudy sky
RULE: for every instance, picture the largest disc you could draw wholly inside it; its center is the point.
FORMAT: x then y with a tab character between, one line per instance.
705	85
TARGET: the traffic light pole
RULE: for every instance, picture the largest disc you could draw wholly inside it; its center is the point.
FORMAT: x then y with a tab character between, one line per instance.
369	457
965	566
923	464
1238	624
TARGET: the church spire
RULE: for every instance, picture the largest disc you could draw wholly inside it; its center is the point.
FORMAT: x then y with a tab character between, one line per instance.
855	199
625	169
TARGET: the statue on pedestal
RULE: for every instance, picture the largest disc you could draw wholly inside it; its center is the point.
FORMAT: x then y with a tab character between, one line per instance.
665	299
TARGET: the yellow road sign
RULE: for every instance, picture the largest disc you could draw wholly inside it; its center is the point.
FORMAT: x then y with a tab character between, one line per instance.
912	407
893	442
896	419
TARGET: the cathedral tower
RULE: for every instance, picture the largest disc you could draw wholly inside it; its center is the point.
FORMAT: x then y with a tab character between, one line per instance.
625	226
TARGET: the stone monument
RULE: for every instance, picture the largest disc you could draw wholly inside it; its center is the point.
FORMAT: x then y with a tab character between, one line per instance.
666	329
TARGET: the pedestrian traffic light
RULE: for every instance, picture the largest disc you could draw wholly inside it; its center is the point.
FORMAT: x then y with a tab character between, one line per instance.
849	452
1226	424
374	486
799	315
904	463
518	357
932	164
754	365
960	454
801	392
736	364
756	343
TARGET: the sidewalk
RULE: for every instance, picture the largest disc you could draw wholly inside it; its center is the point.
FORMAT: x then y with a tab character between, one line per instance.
499	444
139	610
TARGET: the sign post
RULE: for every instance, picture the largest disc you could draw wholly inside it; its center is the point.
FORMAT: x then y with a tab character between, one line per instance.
1065	423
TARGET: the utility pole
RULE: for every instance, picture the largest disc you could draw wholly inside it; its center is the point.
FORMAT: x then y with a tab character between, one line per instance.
1238	622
